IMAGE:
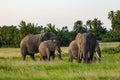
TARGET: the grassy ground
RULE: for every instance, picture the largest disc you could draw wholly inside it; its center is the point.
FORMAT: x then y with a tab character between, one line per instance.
12	68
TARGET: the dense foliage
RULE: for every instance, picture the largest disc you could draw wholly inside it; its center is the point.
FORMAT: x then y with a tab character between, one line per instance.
111	36
10	36
112	50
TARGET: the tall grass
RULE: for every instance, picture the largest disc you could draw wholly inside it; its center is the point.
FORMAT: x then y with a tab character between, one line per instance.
13	68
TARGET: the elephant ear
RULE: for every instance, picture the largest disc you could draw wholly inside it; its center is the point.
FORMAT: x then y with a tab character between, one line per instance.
52	36
47	36
43	36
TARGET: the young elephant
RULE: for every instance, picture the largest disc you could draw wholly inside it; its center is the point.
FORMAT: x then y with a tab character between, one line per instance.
73	51
47	49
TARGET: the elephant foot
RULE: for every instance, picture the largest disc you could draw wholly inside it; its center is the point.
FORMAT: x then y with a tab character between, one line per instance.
79	60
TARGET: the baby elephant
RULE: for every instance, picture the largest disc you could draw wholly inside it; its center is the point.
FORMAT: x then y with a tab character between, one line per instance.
73	51
47	49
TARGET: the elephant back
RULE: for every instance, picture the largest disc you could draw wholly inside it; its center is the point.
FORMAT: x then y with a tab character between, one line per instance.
45	36
51	36
48	44
73	45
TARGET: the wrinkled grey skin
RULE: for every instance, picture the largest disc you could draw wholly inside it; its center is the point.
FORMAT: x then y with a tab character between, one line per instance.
30	43
86	46
47	49
73	51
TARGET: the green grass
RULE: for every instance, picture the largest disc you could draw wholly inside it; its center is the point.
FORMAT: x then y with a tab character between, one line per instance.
13	68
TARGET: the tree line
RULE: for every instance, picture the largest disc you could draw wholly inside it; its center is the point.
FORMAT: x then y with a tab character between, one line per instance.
10	36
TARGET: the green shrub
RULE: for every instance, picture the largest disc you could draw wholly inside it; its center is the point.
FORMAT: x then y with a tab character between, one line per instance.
111	36
112	50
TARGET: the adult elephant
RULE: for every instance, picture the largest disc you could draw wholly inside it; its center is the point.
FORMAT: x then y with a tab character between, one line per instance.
73	51
86	44
29	44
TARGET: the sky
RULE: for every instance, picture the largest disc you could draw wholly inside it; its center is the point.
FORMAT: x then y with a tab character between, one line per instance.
58	12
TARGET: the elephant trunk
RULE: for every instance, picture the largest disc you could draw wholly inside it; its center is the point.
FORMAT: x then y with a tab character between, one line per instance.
59	53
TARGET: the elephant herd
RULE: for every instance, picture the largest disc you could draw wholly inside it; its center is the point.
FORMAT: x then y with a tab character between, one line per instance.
82	48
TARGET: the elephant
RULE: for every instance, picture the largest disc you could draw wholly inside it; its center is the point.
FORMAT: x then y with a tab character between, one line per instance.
86	46
73	51
47	49
29	44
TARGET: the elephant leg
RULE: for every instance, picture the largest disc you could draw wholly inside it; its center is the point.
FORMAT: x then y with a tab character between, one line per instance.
70	58
32	57
87	59
85	56
48	57
53	56
23	57
59	56
52	53
41	57
44	58
48	54
79	57
59	53
91	56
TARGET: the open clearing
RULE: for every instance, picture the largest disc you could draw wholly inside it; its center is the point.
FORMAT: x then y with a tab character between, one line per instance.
13	68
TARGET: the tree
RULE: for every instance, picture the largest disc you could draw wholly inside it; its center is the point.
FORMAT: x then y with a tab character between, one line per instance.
111	36
65	29
27	28
78	27
99	24
95	23
111	15
50	28
96	28
1	36
116	21
65	37
89	23
23	29
9	36
39	29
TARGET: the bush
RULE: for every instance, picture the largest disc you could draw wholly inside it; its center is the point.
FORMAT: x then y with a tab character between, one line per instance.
112	50
98	32
111	36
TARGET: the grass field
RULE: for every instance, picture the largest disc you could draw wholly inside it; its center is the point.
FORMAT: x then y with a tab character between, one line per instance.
13	68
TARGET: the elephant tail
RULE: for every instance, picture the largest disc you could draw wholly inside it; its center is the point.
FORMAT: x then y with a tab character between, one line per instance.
23	50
